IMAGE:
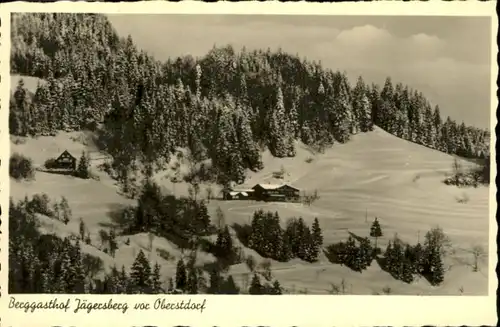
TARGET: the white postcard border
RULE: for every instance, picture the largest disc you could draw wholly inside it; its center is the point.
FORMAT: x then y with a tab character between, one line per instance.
227	310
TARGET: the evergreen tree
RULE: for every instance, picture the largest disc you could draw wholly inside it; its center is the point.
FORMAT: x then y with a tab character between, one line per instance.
274	235
249	149
44	283
113	245
83	167
389	256
437	125
362	106
79	286
407	272
66	210
365	253
410	259
304	240
202	218
276	290
149	209
286	248
82	229
141	274
376	231
224	244
181	275
22	108
192	281
255	286
294	121
215	282
229	286
397	260
436	269
256	239
357	259
125	285
418	258
56	209
171	287
343	119
429	126
317	239
279	137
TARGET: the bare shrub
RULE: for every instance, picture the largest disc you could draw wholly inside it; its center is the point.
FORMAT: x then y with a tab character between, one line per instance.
220	218
466	178
18	140
251	263
50	163
266	269
197	173
478	252
309	198
164	254
88	240
210	193
80	138
40	203
279	174
437	239
104	236
245	281
21	167
239	255
334	289
343	286
151	238
92	265
387	290
464	198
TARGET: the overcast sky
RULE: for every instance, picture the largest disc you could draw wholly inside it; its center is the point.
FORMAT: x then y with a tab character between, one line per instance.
447	58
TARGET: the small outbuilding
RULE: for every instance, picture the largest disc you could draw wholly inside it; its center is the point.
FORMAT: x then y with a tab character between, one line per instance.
237	194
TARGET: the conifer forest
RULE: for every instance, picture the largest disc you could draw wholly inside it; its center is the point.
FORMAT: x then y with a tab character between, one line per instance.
226	119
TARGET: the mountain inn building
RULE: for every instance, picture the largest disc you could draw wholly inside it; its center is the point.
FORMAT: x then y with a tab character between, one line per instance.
264	192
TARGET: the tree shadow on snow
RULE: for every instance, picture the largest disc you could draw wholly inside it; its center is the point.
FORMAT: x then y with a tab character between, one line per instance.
63	172
121	217
382	264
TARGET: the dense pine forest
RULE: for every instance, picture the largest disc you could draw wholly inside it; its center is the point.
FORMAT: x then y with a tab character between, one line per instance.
226	106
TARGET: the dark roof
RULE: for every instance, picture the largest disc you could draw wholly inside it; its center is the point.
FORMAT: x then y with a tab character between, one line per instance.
66	153
290	186
268	186
274	186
